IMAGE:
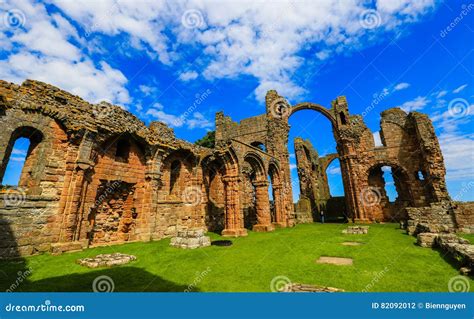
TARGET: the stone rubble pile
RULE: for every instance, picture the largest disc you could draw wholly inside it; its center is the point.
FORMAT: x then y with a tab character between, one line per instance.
456	247
296	287
356	230
190	239
106	260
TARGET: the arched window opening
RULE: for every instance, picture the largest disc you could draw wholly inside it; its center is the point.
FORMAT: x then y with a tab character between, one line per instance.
334	179
122	151
259	145
17	167
16	162
174	175
343	118
271	198
390	188
420	175
307	153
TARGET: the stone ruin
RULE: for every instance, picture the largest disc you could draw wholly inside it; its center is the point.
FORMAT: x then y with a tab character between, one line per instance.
357	230
106	260
191	239
96	175
296	287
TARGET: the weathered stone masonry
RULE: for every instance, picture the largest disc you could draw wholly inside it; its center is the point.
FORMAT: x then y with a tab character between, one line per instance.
97	175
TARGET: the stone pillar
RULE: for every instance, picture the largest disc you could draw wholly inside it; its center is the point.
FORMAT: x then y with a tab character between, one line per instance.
264	221
234	220
355	189
278	202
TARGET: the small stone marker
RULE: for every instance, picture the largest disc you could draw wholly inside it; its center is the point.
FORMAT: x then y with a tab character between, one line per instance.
351	243
335	261
356	230
106	260
190	239
296	287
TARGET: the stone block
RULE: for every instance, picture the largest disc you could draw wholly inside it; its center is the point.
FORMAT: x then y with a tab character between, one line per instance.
426	239
190	239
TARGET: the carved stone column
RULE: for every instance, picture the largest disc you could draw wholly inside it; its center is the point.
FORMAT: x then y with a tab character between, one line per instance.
234	220
264	221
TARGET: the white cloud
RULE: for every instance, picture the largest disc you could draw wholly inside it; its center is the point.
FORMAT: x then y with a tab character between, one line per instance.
334	170
16	151
377	139
401	86
147	90
457	147
195	120
81	78
459	89
48	48
414	105
441	94
188	76
198	121
293	166
261	39
458	153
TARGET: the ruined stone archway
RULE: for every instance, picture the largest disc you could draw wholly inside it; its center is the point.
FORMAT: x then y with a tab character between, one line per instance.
315	107
255	189
374	197
234	220
277	190
213	179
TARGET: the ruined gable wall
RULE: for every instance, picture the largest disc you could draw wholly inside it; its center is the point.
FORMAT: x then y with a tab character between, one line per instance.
31	212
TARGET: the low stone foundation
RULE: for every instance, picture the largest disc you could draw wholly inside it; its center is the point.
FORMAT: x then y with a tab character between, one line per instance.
296	287
106	260
456	247
190	239
356	230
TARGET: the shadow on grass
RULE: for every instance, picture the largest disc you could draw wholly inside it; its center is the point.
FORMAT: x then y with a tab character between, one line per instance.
121	279
453	262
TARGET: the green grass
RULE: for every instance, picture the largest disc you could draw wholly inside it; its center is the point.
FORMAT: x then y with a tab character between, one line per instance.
388	260
469	237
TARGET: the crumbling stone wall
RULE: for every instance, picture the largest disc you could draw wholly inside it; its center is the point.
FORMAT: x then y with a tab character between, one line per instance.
464	216
95	174
314	184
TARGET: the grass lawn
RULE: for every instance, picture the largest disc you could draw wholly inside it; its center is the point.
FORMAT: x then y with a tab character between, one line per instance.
388	260
469	237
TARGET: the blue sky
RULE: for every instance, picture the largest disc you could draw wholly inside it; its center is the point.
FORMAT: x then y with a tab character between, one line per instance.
158	58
